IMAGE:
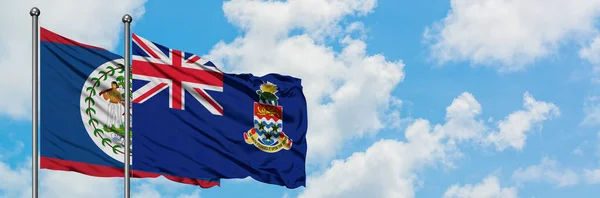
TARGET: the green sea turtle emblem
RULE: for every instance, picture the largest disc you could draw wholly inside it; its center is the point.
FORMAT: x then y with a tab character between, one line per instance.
266	94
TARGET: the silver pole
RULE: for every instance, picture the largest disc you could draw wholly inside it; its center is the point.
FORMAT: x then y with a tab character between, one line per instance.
127	22
35	13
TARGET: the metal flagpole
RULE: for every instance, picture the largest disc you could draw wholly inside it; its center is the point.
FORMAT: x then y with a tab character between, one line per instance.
35	13
127	22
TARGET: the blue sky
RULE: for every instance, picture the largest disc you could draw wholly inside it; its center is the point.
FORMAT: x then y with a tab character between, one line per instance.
407	98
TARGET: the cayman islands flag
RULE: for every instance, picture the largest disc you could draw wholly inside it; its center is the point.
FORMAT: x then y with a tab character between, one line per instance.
193	120
82	110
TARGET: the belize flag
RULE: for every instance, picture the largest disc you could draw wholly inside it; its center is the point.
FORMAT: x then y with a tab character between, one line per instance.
82	110
192	120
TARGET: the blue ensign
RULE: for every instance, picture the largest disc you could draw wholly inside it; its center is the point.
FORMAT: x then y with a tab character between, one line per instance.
192	120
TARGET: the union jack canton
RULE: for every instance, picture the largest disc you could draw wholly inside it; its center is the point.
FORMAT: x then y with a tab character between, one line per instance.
179	71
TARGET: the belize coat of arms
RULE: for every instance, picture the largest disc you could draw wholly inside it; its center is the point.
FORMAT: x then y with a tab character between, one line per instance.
267	134
102	106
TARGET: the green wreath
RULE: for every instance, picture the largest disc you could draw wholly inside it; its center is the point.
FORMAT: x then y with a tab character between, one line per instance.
103	76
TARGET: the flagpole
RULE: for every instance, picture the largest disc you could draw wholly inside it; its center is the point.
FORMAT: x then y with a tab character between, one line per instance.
127	22
35	13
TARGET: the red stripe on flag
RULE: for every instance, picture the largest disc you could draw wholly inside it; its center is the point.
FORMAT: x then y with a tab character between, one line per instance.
176	100
177	73
49	36
107	171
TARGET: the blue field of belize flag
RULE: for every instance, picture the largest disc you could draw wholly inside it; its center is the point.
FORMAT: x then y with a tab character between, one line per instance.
82	111
192	120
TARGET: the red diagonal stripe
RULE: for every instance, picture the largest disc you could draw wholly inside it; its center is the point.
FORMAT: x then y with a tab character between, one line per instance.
149	93
210	101
194	59
144	46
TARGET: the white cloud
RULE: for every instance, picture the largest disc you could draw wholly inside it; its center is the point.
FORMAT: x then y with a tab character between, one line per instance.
590	53
592	176
512	33
384	170
460	122
547	171
514	128
488	188
349	90
71	184
511	131
242	180
394	119
149	188
15	180
275	19
195	194
93	22
388	168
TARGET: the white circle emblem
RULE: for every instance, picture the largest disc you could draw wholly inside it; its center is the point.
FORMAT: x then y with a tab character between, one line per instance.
103	108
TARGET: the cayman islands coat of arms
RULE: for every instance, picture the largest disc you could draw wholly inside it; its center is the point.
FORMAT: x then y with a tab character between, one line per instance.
267	134
102	106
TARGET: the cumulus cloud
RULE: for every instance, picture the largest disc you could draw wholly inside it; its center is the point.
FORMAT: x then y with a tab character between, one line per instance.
509	33
461	123
547	171
93	22
488	188
349	90
388	168
512	131
384	170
